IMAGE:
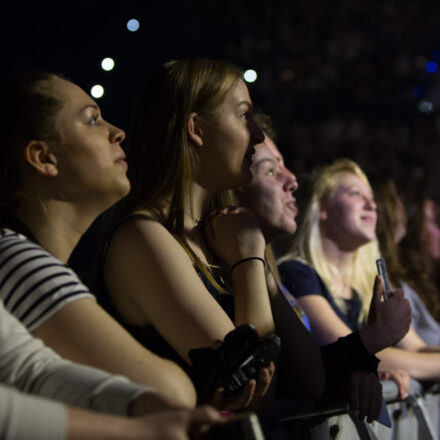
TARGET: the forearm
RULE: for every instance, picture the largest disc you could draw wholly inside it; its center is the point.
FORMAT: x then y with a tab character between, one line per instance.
420	366
24	417
87	387
84	425
170	381
345	355
28	365
69	332
430	349
374	340
251	299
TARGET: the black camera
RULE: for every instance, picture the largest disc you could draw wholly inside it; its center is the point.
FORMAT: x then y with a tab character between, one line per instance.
237	359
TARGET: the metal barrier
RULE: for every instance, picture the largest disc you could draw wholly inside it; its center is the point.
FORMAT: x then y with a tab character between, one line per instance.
417	417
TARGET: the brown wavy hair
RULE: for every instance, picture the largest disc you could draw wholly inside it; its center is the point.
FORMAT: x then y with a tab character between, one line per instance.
420	268
388	212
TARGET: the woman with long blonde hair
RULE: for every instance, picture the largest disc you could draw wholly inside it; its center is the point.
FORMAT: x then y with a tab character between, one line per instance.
331	268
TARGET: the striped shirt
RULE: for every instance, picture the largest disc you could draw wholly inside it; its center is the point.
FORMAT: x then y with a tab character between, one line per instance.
33	284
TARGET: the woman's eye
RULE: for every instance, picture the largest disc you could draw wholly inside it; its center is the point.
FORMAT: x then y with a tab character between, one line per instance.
93	121
270	172
246	115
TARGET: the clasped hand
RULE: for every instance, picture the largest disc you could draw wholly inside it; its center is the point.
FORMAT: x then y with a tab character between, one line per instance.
234	233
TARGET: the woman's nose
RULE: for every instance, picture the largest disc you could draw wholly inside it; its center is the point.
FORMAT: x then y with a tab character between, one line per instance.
371	203
116	135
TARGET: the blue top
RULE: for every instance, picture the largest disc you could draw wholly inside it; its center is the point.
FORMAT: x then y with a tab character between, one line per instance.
301	280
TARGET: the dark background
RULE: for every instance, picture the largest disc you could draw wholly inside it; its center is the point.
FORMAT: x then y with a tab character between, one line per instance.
340	78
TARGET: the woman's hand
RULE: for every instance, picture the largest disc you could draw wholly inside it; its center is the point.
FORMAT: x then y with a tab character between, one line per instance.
388	321
400	377
363	392
233	233
251	394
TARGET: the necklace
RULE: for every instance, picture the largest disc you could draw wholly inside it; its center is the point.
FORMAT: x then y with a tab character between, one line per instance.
194	219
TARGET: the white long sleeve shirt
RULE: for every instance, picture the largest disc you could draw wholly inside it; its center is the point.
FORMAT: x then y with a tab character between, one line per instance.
27	366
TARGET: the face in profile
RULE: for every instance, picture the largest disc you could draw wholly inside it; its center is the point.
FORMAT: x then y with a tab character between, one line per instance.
430	236
90	161
349	216
228	141
269	195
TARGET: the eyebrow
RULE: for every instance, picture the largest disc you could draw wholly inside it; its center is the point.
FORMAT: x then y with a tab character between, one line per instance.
90	105
249	104
266	159
360	187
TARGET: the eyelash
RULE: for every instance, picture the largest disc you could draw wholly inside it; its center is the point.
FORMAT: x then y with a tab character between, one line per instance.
246	115
93	121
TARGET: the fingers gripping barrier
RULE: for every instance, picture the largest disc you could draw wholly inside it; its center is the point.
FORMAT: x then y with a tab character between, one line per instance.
417	417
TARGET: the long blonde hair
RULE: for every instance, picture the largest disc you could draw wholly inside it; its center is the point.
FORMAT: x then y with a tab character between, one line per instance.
308	244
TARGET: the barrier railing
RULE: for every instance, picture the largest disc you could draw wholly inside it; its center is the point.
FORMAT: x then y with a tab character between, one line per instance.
417	417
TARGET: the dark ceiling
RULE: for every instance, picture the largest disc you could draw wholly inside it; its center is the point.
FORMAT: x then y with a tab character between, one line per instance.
339	78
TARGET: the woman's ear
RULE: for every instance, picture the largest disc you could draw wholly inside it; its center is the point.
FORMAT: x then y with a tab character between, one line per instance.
194	129
37	154
323	215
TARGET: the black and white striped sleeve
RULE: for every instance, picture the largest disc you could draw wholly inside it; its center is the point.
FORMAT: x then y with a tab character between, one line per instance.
33	284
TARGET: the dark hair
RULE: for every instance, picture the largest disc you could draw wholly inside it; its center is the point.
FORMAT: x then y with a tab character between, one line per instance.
386	196
27	112
420	269
264	121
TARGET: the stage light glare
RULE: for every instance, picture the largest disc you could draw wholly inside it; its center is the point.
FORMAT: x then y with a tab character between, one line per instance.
133	25
250	76
107	64
97	91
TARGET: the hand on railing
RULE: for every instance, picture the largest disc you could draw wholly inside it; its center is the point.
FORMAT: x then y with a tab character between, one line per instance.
400	377
363	392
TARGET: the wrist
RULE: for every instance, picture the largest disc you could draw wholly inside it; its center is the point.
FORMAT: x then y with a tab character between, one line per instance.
248	260
372	339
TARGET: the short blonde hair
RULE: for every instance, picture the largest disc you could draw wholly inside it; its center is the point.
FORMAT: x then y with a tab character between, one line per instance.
308	244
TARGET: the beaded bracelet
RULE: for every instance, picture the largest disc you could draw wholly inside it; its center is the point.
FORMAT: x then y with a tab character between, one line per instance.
247	259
